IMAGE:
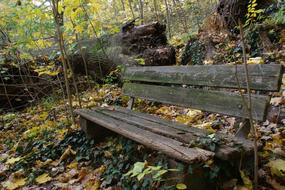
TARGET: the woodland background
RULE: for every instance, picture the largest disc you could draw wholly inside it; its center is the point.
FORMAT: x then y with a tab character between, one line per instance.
59	55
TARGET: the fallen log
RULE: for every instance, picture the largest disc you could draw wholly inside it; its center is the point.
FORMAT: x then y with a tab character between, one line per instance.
149	42
164	55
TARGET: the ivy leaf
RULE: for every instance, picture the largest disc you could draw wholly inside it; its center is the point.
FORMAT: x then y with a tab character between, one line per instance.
140	176
138	168
159	174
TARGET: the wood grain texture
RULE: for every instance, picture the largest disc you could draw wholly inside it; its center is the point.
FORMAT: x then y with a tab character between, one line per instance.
247	144
168	146
263	77
212	101
229	148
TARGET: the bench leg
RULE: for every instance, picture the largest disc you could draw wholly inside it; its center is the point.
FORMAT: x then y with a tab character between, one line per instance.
244	130
92	130
194	181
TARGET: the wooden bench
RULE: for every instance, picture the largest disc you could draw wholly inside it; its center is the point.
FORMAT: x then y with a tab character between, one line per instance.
186	86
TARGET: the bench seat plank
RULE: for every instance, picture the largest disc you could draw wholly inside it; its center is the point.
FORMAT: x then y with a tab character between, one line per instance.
213	101
229	147
168	146
262	77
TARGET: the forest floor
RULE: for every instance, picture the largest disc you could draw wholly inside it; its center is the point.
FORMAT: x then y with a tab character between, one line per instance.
40	149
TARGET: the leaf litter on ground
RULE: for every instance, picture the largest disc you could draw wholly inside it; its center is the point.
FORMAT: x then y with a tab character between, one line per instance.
37	141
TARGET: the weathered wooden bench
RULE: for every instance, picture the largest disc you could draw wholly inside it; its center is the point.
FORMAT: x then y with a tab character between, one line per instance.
186	86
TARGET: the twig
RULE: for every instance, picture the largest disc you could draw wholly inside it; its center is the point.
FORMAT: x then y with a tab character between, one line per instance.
82	53
63	56
249	108
6	92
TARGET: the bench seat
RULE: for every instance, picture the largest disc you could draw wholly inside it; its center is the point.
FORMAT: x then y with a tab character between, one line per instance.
171	138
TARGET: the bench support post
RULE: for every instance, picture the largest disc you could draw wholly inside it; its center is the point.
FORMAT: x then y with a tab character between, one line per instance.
195	180
131	103
93	130
244	130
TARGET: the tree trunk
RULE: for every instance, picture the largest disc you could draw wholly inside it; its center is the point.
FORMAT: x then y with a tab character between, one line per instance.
141	11
180	12
131	8
63	56
167	18
156	9
231	11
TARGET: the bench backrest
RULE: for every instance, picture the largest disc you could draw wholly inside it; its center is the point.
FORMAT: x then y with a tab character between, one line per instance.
185	86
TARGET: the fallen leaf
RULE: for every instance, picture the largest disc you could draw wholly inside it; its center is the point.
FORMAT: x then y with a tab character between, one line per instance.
181	186
67	176
207	126
12	161
14	183
66	154
108	154
73	165
255	60
19	174
277	168
276	101
92	184
166	111
43	178
100	170
246	181
83	172
40	164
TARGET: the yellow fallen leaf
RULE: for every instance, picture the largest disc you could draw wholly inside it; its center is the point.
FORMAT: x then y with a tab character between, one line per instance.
246	181
61	134
187	120
165	111
277	168
92	184
15	183
207	126
43	116
66	154
191	117
255	60
209	62
13	160
40	164
100	170
73	165
181	186
277	139
43	178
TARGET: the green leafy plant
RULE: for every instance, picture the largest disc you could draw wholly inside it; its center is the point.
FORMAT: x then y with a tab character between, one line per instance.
278	16
253	14
114	76
140	61
142	169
